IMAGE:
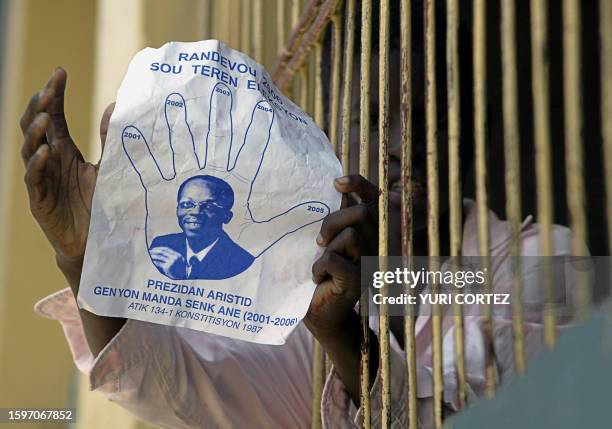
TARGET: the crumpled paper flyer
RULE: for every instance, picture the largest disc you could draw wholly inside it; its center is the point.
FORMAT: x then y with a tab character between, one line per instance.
211	191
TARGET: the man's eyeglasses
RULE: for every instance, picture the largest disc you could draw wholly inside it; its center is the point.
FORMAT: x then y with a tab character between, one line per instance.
205	205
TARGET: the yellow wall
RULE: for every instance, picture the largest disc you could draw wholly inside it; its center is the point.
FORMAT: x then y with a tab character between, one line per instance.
35	363
94	41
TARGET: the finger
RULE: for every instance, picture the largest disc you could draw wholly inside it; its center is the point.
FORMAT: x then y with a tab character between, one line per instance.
157	251
339	220
220	128
345	275
348	243
179	134
270	231
37	104
56	105
367	191
159	258
104	122
35	175
138	152
34	136
162	264
251	153
345	202
166	252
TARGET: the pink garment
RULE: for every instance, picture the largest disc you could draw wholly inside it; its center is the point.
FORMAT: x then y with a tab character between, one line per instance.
181	378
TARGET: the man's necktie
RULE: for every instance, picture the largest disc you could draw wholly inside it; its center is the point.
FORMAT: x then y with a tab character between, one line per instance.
192	262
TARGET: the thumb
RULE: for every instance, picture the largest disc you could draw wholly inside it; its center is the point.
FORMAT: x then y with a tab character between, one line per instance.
104	125
367	191
56	105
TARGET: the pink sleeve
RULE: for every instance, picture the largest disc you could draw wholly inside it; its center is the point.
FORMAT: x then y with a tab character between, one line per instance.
181	378
61	306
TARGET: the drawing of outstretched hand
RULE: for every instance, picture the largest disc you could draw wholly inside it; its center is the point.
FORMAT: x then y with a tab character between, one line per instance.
210	191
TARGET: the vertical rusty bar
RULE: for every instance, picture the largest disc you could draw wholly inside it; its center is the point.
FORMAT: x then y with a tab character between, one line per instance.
605	16
318	89
295	13
479	53
383	203
334	100
318	378
364	170
406	213
349	49
318	357
280	26
295	18
336	60
433	203
573	149
454	180
258	34
365	81
513	184
246	34
540	89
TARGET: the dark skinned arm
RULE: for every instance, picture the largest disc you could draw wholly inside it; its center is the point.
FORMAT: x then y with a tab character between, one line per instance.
346	235
60	185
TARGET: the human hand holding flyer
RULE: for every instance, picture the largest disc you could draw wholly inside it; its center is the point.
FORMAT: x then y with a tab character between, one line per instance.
209	197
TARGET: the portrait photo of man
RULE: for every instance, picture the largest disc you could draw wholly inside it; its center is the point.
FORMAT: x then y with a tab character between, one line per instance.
203	250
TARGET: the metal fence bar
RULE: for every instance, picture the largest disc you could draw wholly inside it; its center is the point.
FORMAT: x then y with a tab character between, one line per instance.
406	210
334	101
454	180
318	357
347	90
349	51
295	13
605	16
364	170
318	380
336	62
364	90
513	185
280	26
433	202
573	149
383	203
258	34
479	43
318	92
540	89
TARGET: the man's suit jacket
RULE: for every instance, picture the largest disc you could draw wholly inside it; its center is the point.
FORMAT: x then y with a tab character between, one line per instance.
226	259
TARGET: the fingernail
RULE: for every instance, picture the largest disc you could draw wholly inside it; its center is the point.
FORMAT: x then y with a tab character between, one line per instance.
344	180
320	240
42	150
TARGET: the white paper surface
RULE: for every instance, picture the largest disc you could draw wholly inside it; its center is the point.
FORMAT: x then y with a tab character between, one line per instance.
229	252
